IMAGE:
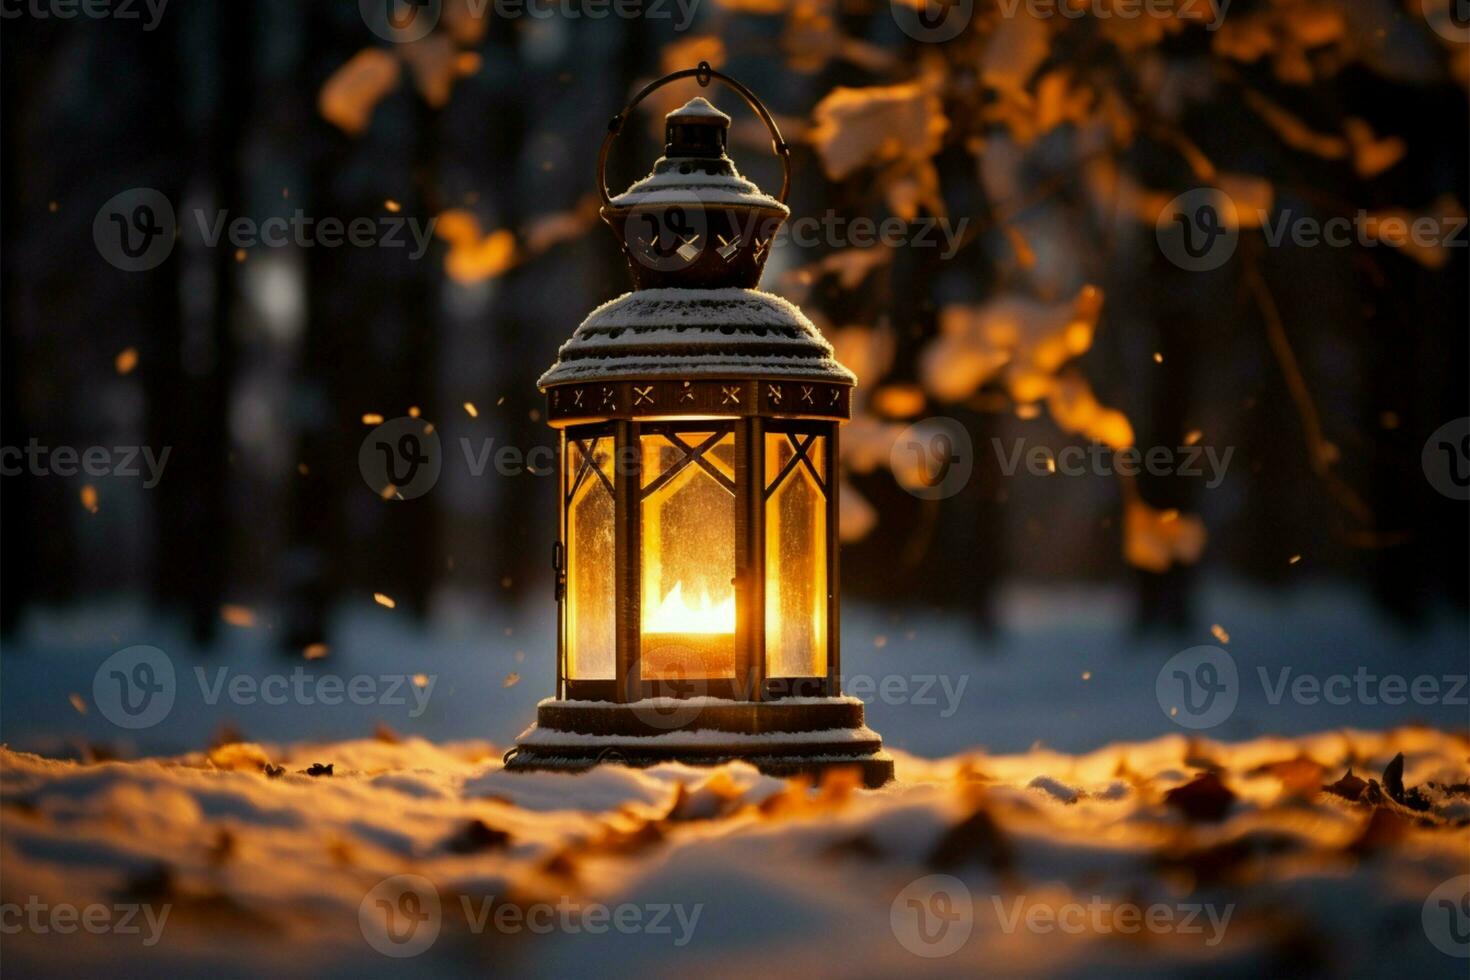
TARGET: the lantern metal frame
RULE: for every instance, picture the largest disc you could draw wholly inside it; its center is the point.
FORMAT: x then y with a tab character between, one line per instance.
752	680
695	347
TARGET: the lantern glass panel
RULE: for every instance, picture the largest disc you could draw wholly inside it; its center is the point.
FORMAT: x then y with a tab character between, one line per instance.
688	544
796	555
591	610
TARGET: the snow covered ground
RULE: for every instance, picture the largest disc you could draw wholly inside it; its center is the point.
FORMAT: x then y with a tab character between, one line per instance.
1075	826
1132	860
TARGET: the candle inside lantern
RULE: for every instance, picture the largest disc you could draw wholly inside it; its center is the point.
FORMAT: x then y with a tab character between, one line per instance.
684	638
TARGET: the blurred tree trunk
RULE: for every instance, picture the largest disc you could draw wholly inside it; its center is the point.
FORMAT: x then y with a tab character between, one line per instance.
189	392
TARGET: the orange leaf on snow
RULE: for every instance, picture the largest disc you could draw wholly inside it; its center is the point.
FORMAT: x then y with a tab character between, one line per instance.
348	98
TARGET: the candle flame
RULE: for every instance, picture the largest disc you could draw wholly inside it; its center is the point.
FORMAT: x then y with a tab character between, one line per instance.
678	614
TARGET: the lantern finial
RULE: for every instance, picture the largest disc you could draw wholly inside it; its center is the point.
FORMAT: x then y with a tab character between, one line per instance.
694	222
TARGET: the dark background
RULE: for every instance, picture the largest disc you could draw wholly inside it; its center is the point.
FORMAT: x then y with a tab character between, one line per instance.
258	372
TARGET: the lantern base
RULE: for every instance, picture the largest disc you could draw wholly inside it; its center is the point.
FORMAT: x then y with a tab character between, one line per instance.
789	737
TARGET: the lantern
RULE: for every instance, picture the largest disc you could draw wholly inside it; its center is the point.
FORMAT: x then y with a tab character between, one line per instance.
698	417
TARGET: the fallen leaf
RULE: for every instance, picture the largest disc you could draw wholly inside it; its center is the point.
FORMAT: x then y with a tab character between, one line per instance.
476	837
1349	787
1205	798
979	838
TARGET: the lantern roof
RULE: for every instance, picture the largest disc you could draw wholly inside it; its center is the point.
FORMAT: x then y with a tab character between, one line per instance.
727	333
694	169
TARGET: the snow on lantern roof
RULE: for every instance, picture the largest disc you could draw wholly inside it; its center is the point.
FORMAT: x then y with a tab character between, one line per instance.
698	108
672	185
729	332
696	171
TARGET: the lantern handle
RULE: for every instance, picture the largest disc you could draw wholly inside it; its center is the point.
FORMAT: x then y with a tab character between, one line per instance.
702	74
